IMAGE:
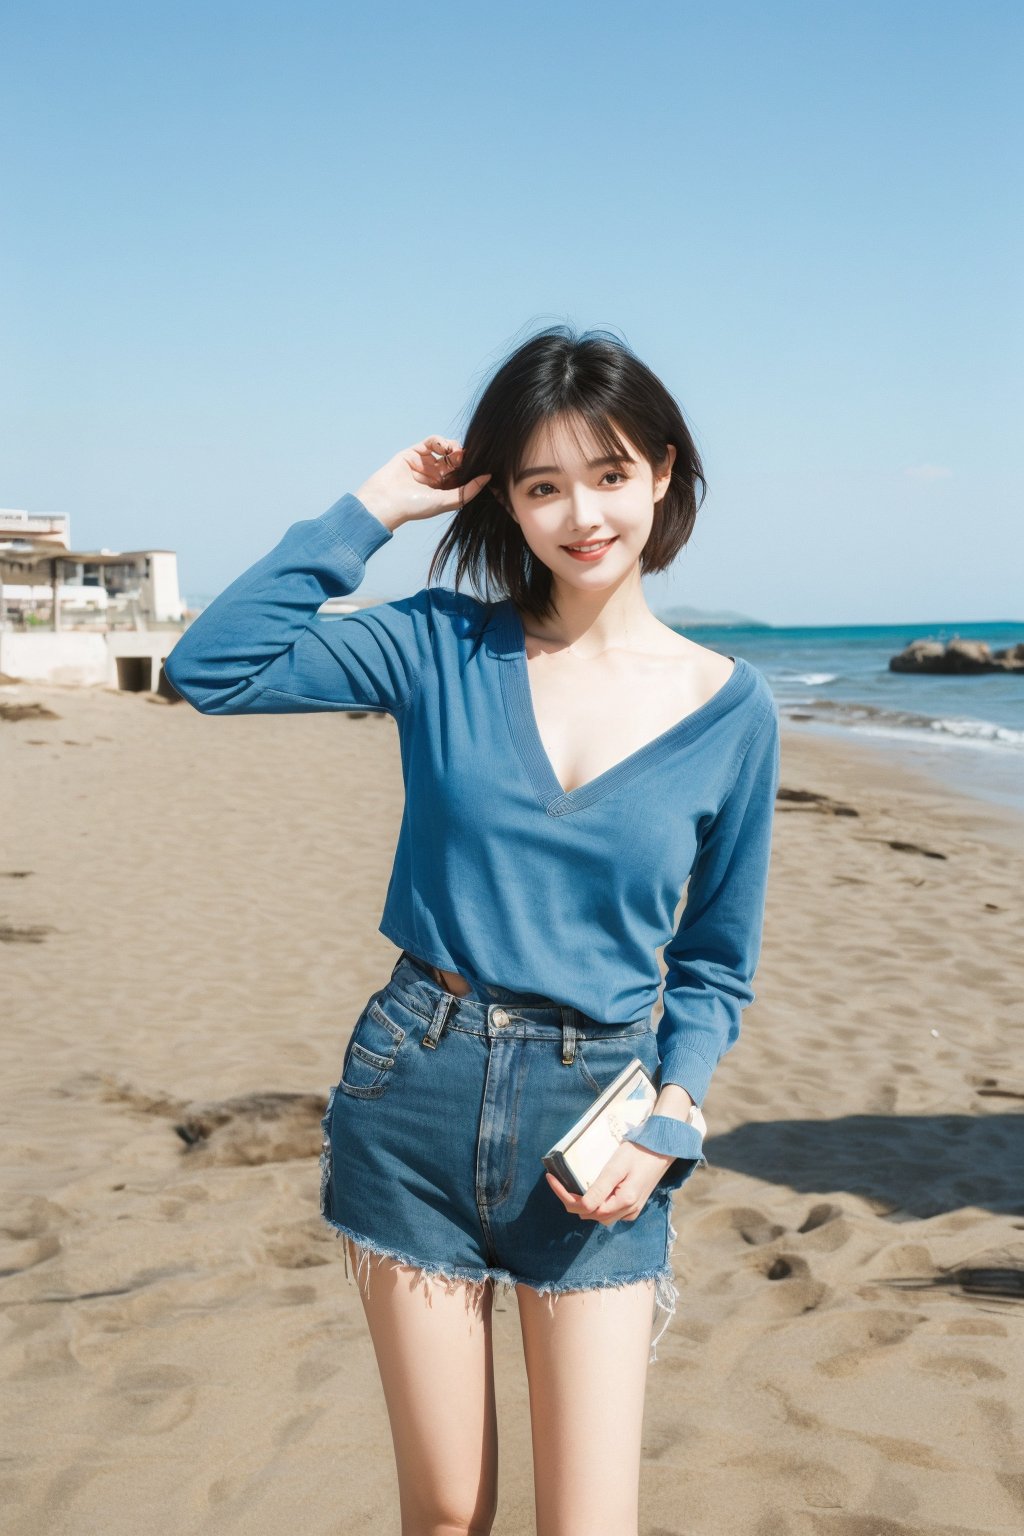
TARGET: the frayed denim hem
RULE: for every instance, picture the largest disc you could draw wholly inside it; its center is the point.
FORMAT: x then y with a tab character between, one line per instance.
452	1275
666	1293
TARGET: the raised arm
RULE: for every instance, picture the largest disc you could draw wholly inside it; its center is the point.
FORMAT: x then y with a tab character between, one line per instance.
260	646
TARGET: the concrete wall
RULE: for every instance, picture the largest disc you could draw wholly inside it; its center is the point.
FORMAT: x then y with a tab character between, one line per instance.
70	657
118	659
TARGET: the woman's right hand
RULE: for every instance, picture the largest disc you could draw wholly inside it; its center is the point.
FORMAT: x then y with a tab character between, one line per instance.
416	483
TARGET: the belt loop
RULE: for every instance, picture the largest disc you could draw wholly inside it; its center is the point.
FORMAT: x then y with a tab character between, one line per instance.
439	1020
568	1036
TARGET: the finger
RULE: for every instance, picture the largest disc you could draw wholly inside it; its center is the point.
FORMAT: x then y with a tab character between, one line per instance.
568	1199
446	447
558	1187
622	1195
425	468
471	487
604	1188
616	1210
432	471
607	1218
444	463
430	454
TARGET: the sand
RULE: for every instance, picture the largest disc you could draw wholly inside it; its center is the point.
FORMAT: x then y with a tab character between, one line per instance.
189	909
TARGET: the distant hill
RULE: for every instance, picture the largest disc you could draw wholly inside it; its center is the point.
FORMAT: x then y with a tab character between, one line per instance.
679	618
694	618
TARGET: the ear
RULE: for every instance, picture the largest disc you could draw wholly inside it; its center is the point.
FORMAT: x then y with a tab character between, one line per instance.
663	479
503	502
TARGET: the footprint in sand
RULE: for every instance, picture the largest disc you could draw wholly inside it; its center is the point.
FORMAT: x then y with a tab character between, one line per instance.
303	1245
795	1290
297	1427
861	1335
743	1221
150	1400
964	1369
316	1371
819	1215
827	1228
974	1327
34	1224
36	1251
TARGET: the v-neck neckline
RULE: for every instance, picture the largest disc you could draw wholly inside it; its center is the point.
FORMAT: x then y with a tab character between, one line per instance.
522	717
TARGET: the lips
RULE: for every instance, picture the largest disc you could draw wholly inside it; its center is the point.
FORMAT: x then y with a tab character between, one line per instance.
591	550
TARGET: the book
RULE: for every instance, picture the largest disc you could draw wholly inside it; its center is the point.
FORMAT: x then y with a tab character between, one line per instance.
578	1157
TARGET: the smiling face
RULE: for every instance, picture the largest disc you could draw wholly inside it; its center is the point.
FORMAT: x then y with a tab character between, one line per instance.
571	494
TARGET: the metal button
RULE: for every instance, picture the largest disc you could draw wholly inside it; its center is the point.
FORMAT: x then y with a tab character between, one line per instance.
499	1017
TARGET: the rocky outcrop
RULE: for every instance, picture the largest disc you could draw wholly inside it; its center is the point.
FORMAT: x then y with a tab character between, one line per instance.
958	656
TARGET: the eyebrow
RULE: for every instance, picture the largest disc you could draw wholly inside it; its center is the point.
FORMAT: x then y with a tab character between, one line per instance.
553	469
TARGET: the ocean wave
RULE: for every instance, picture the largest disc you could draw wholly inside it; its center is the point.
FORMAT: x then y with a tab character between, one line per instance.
905	725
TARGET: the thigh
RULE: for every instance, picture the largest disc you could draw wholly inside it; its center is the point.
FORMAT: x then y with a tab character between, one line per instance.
586	1360
432	1340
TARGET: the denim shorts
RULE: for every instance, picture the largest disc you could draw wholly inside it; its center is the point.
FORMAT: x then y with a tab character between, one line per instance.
434	1131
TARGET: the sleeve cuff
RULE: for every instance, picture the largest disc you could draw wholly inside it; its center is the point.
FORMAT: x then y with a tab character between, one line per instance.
668	1135
688	1070
350	522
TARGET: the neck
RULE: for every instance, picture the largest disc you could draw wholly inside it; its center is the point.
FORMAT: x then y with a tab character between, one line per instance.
592	622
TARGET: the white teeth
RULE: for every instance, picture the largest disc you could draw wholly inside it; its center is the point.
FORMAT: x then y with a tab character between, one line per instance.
583	547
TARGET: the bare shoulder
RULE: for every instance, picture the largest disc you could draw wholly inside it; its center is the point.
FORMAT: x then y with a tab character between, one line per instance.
712	668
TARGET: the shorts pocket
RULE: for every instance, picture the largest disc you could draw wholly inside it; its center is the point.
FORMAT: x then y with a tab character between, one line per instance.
371	1053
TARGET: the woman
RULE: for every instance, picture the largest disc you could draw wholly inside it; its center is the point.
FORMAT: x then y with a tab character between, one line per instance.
570	763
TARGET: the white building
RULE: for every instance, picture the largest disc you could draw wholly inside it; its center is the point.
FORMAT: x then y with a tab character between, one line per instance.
83	616
40	527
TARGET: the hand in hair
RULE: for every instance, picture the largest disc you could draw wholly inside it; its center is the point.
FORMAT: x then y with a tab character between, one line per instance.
418	482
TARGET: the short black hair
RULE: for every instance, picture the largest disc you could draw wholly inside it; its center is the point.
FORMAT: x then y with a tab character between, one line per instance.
592	378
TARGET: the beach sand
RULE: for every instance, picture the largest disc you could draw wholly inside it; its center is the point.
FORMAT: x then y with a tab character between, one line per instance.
189	909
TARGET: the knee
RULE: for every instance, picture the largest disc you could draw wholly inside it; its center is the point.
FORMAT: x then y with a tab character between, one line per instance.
449	1521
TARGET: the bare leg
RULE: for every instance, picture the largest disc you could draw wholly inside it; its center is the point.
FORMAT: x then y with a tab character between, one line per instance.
586	1361
433	1346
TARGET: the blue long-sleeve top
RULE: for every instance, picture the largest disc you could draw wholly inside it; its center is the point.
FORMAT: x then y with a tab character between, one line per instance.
499	873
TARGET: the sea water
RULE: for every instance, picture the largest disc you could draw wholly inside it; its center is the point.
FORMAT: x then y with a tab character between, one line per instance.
968	730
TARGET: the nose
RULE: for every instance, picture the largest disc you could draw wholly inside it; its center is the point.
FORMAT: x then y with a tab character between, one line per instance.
586	517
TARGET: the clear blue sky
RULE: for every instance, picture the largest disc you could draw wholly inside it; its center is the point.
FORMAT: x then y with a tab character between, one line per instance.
249	251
